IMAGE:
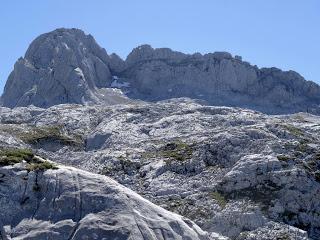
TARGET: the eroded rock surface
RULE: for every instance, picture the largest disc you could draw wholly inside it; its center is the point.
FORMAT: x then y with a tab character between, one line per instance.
68	203
234	171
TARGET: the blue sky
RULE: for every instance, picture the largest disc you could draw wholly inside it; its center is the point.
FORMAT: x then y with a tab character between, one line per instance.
281	33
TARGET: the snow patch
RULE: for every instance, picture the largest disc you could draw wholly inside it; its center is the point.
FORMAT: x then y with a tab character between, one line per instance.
116	84
79	72
66	46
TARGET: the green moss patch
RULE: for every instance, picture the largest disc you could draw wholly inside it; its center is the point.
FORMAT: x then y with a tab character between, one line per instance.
220	199
283	158
41	166
50	133
14	155
175	151
297	132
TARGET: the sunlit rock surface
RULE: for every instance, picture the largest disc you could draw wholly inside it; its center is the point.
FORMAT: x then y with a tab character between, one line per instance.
236	172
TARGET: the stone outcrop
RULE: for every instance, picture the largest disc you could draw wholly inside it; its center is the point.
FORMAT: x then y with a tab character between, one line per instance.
68	203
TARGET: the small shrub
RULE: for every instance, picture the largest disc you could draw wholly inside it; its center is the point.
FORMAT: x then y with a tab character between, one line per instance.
35	163
222	202
41	166
177	150
13	156
297	132
174	151
283	158
283	236
300	118
52	133
302	147
107	170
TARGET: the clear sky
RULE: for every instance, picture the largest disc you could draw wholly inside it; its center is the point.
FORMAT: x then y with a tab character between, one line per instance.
281	33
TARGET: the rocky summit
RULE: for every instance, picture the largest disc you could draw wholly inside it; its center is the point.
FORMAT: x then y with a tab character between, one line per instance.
163	145
68	66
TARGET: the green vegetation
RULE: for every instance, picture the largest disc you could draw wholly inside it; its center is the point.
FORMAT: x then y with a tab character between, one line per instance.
52	133
297	132
222	202
177	150
299	118
302	147
174	151
283	158
283	236
13	155
106	170
41	166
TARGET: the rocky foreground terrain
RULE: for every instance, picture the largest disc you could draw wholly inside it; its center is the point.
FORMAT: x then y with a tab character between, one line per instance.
234	172
162	145
67	203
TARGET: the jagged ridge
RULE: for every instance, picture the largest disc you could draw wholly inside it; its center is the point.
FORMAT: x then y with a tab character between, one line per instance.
68	66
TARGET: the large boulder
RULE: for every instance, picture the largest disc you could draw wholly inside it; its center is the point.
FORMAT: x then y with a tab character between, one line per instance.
72	204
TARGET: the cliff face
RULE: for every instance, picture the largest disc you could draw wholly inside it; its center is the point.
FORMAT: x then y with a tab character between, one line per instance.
67	66
219	79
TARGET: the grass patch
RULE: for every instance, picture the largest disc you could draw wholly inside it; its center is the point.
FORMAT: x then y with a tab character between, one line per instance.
302	147
297	132
283	158
13	156
41	166
222	202
283	236
52	133
177	150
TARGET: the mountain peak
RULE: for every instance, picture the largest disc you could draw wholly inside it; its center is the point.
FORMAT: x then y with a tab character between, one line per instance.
68	66
62	66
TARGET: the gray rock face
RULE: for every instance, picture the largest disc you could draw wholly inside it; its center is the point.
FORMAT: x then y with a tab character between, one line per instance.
63	66
236	172
219	79
67	66
72	204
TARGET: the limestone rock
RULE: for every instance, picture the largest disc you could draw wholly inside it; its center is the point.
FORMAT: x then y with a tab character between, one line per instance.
232	171
68	66
63	66
72	204
219	79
